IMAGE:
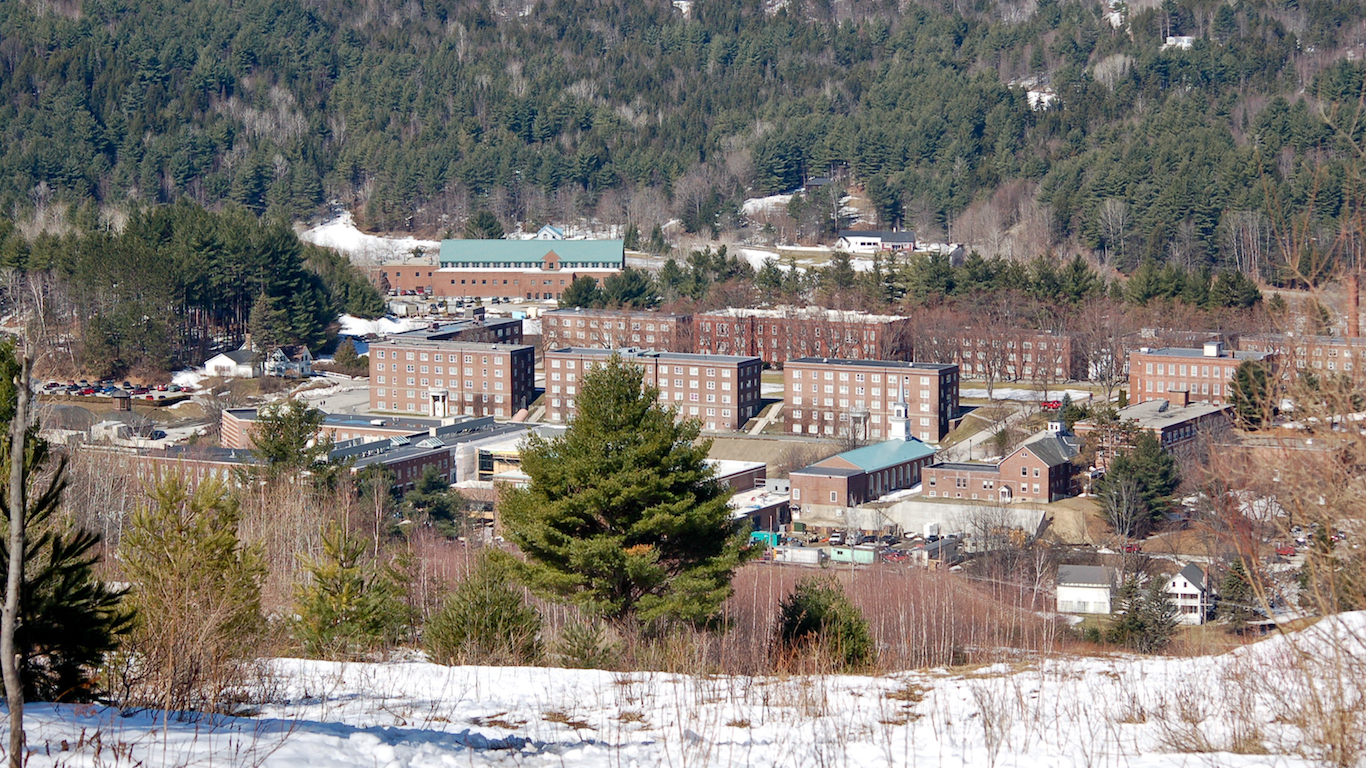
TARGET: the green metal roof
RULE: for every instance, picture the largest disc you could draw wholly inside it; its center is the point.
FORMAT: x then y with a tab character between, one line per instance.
498	253
871	458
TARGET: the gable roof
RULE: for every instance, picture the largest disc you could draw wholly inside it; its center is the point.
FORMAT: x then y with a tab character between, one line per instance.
1086	576
239	356
1194	575
497	253
1052	448
883	235
871	458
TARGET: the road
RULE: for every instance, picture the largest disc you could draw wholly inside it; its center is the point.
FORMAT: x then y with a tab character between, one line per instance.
972	448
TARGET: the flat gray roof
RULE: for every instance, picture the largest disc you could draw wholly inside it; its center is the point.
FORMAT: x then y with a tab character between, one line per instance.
632	352
936	367
1200	353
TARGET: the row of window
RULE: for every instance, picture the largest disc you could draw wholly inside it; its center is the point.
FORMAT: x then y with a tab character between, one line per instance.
621	324
412	393
437	357
427	408
1202	371
829	402
830	416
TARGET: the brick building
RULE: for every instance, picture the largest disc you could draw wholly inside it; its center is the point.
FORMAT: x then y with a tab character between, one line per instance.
825	489
779	335
616	329
1325	355
720	390
1180	427
524	269
1192	375
830	396
1039	469
423	372
1017	355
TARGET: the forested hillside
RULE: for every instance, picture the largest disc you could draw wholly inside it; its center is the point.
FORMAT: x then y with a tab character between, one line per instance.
1237	152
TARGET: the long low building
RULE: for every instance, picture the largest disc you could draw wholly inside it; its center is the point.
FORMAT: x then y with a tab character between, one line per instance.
1180	427
835	485
722	391
524	269
1040	469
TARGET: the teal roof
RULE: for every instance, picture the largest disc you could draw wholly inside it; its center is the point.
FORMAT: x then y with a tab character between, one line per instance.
871	458
530	253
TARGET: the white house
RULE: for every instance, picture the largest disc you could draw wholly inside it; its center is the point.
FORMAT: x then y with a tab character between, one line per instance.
549	233
239	363
1086	588
1191	594
289	361
872	241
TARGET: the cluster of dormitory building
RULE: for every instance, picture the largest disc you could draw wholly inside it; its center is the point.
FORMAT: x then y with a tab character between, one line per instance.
721	391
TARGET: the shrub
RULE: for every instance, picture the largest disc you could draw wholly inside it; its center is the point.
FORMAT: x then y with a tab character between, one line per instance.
351	605
485	620
585	645
818	618
197	595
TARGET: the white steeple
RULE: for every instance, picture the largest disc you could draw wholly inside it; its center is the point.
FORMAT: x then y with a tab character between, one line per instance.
899	425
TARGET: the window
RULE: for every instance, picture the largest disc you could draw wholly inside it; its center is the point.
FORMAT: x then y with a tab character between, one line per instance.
833	497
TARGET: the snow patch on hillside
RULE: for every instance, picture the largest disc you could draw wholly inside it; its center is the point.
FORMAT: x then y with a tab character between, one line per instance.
384	326
1137	712
340	232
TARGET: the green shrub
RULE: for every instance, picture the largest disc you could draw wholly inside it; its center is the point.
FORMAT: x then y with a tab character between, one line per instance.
351	605
818	620
485	620
585	645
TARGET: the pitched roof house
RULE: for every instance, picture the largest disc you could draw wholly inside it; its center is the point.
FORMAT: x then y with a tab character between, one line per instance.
237	364
1190	591
289	361
1086	588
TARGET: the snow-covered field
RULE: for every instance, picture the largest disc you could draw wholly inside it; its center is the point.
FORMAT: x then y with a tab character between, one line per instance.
1241	709
341	233
1025	395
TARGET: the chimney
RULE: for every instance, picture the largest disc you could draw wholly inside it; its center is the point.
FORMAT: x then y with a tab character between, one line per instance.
1183	398
1353	307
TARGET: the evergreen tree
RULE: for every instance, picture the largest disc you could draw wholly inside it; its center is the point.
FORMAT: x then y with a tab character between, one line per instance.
1237	599
1159	617
817	617
483	225
68	620
1149	470
630	288
350	605
1249	394
485	620
1127	627
288	439
197	593
433	501
582	291
270	325
621	514
632	238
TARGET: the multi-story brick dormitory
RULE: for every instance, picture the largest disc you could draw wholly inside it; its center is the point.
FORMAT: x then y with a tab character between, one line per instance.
1198	375
616	329
779	335
1324	355
1011	354
834	397
523	269
424	372
722	391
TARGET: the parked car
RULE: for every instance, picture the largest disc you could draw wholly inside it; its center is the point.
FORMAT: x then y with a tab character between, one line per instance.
1285	550
1131	549
1051	405
837	538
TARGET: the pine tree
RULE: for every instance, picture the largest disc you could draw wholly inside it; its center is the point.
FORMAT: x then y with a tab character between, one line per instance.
1159	614
68	619
433	501
621	514
1250	396
1237	601
1126	629
485	620
483	225
286	437
197	592
351	605
1152	471
582	291
818	617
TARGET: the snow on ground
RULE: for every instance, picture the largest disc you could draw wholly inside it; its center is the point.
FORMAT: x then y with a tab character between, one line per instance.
341	233
1069	711
355	326
766	388
757	205
189	378
1005	393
